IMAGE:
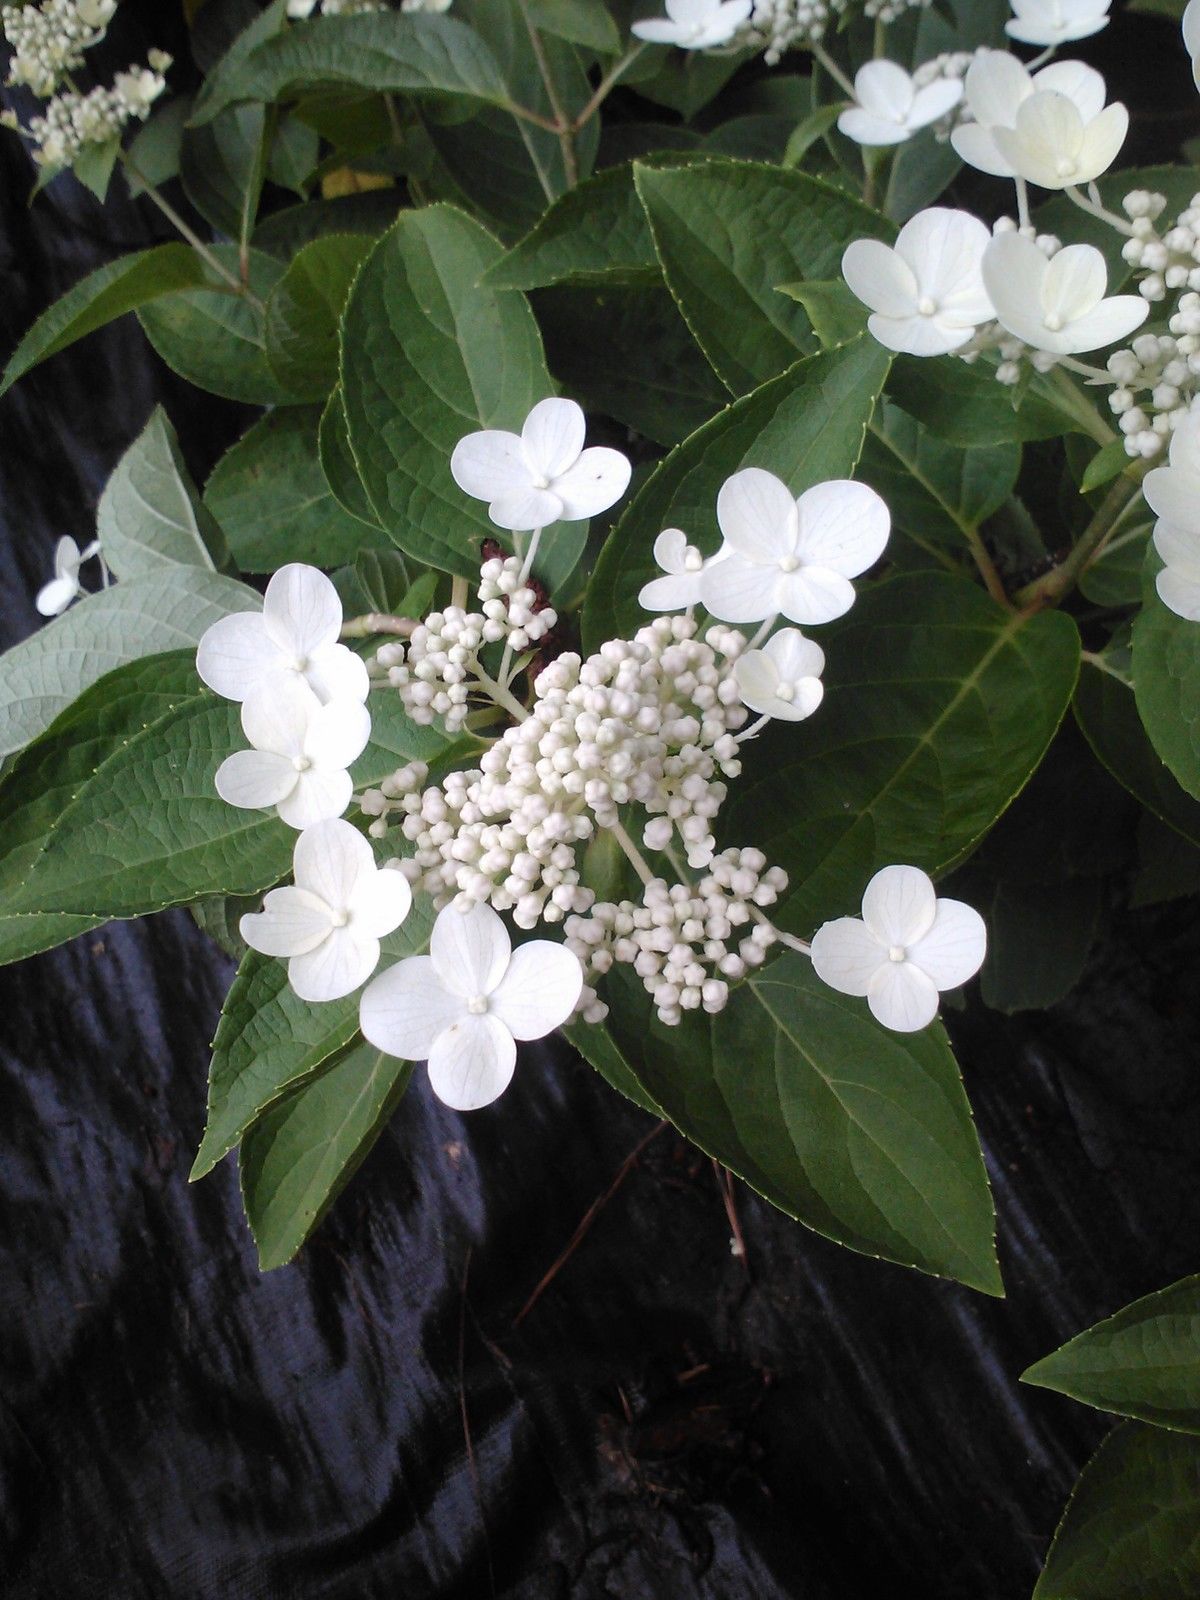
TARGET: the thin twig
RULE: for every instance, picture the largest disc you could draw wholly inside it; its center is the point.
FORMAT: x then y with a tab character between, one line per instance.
565	127
606	85
374	622
725	1184
205	253
585	1222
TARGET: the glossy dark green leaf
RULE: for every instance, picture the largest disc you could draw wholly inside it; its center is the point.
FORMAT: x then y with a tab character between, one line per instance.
221	167
966	405
338	463
304	312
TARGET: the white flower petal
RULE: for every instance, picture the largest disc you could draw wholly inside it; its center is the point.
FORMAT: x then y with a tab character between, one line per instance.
953	949
867	129
1185	445
380	902
670	550
470	949
291	922
235	653
844	527
1113	319
976	145
794	656
1179	593
1191	28
1079	82
807	694
54	597
813	595
278	713
553	437
902	998
1180	547
757	514
934	101
337	733
597	480
317	797
330	860
757	679
1074	282
739	590
880	278
899	906
1102	141
301	610
539	991
1173	493
67	559
884	89
675	592
1013	272
995	84
255	779
403	1010
945	250
522	510
658	30
471	1062
489	464
917	335
846	955
335	968
336	673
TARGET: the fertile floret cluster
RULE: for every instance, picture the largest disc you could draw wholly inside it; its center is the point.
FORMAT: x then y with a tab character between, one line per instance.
776	26
687	942
49	40
72	120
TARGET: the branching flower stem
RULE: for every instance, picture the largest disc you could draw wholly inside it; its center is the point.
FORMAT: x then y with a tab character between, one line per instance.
1055	585
606	85
564	127
1095	209
189	234
832	68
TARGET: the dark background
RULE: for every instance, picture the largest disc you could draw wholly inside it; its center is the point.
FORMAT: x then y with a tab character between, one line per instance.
668	1421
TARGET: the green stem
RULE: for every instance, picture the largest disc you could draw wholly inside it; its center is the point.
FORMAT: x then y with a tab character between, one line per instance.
564	126
500	695
1077	405
205	253
1077	197
834	71
634	856
372	623
1056	584
607	84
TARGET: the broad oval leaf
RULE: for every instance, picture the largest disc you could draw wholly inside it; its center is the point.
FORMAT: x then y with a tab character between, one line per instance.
806	426
103	295
1166	680
338	463
161	610
305	309
150	515
274	502
1144	1361
864	1135
301	1153
429	355
1129	1532
938	707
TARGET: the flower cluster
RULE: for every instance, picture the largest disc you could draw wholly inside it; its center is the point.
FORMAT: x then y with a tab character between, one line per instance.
686	942
49	40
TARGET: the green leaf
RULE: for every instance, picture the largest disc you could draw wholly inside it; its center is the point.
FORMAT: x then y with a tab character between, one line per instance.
937	492
305	309
294	156
150	515
683	80
269	1040
814	126
338	463
214	338
1166	679
600	1050
102	296
298	1157
1115	577
727	234
938	707
274	502
428	355
1144	1361
1108	715
1040	934
1108	463
806	425
585	22
966	405
284	232
1129	1532
221	167
864	1135
162	610
155	149
835	314
627	353
429	56
94	164
594	235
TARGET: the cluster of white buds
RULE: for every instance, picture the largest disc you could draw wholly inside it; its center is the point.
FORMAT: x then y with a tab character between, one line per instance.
775	26
1171	259
433	671
953	66
510	602
72	120
49	40
686	942
892	10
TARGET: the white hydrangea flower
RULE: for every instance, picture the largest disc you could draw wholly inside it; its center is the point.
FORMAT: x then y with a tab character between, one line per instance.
1057	304
1191	33
695	24
926	293
997	85
329	923
789	557
295	635
1055	22
890	108
1053	144
683	566
907	946
783	679
300	755
1173	494
54	597
543	474
462	1007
